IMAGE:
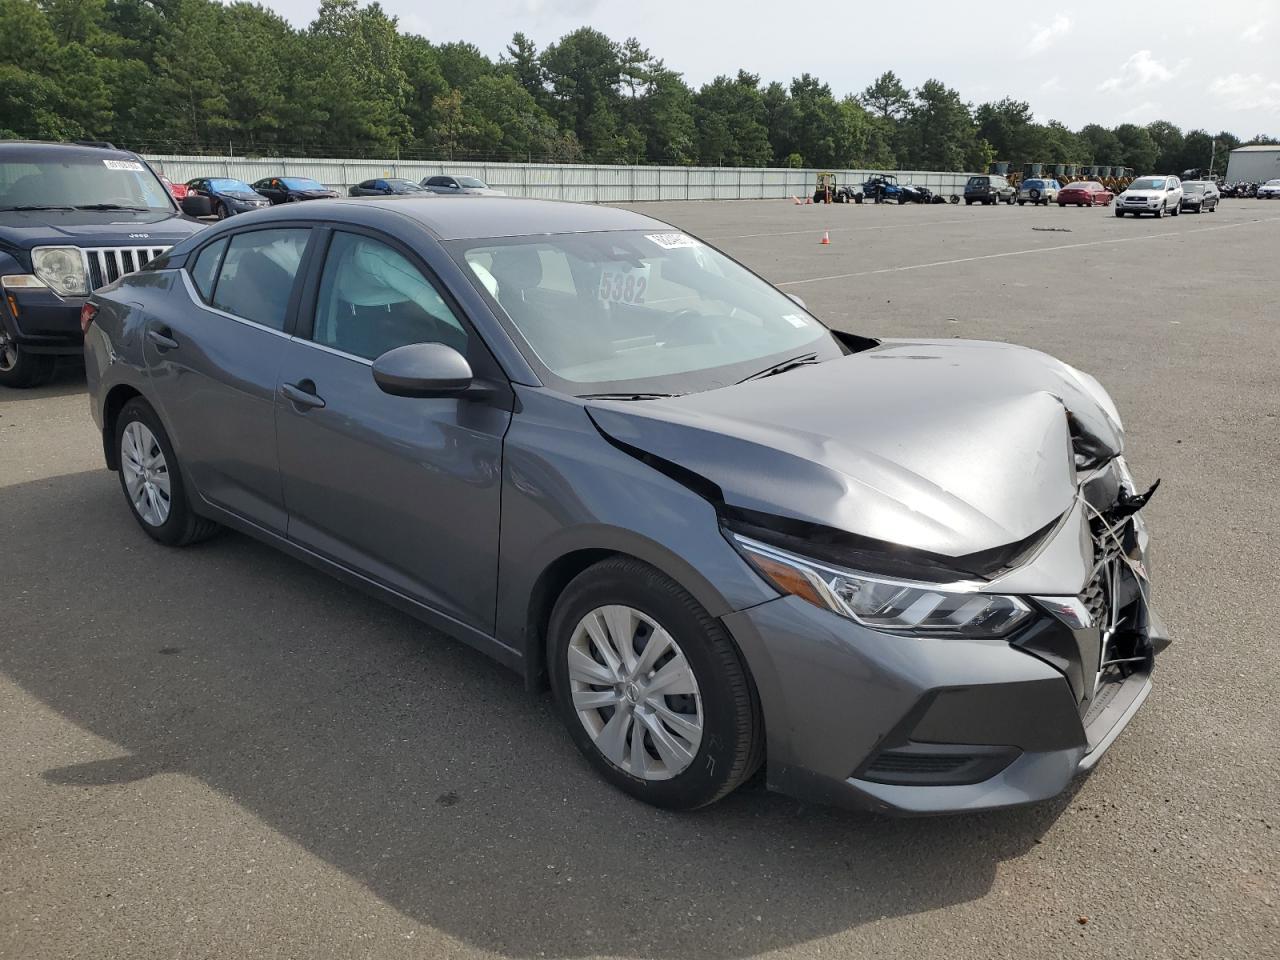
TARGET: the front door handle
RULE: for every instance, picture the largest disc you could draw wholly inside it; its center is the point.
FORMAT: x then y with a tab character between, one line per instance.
302	394
160	336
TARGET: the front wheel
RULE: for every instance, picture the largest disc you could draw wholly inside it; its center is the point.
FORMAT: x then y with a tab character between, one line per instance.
651	687
19	367
1120	214
151	480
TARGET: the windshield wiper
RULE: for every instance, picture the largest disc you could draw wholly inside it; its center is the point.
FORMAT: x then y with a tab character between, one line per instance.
37	206
625	396
107	206
784	366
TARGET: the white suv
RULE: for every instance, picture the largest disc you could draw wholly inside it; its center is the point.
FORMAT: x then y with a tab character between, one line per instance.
1154	195
1269	190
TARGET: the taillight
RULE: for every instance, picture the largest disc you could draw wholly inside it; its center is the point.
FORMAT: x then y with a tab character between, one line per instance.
87	313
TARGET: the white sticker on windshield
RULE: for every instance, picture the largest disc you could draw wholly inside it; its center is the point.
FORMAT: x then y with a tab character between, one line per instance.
672	241
624	285
133	166
795	320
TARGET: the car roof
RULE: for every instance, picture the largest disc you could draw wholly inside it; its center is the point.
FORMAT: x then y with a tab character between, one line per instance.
480	218
33	149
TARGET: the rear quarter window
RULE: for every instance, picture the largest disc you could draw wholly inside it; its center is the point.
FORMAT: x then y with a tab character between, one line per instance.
205	268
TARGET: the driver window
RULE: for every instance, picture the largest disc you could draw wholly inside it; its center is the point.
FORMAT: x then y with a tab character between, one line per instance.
372	300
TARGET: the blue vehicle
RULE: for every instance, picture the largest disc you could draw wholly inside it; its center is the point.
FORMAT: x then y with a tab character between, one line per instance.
883	187
226	197
73	218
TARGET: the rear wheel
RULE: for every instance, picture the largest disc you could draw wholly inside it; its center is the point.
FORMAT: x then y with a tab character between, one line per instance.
151	480
19	367
651	687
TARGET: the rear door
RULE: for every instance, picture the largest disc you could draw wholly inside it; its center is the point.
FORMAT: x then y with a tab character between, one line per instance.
213	366
404	491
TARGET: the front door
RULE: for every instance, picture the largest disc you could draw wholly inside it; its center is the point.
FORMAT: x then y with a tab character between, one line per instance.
405	491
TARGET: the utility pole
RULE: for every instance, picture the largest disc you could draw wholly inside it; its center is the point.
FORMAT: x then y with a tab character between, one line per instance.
1213	153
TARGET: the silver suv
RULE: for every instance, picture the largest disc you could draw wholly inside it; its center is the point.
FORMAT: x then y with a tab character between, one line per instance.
1157	196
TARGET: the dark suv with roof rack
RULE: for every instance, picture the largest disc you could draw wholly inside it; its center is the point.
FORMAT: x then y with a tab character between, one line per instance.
73	217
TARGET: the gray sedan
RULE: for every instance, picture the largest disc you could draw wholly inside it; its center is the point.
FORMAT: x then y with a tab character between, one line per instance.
460	187
906	576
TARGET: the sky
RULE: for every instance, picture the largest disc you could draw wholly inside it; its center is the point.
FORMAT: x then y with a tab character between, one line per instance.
1213	66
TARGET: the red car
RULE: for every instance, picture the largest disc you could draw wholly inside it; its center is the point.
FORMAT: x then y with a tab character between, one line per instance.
176	190
1086	193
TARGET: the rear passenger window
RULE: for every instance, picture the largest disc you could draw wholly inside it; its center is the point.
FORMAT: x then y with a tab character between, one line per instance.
257	275
205	269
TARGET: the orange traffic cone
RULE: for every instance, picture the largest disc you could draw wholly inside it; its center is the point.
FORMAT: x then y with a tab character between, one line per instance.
826	238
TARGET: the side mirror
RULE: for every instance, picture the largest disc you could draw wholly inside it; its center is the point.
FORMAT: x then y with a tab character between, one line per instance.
422	370
798	300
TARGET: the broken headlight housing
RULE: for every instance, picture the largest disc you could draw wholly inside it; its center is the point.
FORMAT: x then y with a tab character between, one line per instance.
897	606
61	269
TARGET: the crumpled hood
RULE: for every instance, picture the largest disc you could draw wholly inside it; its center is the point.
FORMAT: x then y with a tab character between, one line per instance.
93	228
946	446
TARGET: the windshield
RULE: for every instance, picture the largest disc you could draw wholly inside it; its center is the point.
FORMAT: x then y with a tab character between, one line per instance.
230	186
405	186
978	181
1272	183
1193	188
472	183
71	181
621	311
1148	183
302	183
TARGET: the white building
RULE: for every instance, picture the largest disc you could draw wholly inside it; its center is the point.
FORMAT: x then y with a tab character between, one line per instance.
1256	164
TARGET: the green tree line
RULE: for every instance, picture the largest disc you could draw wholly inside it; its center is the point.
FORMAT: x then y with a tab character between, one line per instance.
200	76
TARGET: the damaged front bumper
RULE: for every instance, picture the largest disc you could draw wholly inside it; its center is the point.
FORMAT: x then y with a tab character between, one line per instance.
909	724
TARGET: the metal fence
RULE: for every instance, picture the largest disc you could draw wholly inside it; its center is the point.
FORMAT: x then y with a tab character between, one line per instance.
583	182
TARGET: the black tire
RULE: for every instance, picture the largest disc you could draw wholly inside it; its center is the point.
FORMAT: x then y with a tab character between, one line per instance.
1120	214
183	526
1177	209
968	202
732	742
20	368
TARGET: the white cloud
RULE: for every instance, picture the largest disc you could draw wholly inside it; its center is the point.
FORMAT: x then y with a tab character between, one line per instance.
1047	36
1143	111
1254	32
1140	71
1052	85
1252	92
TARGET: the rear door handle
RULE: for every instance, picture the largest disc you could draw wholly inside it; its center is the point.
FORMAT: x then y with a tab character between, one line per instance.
302	394
160	336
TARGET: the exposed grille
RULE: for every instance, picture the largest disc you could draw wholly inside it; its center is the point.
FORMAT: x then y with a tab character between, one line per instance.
109	264
1095	600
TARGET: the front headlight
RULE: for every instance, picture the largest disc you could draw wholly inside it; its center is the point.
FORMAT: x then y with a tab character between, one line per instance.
902	606
61	269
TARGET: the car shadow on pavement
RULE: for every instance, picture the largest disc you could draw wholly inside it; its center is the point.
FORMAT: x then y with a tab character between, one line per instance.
67	379
420	768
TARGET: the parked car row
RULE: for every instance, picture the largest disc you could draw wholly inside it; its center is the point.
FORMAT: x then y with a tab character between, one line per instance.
227	196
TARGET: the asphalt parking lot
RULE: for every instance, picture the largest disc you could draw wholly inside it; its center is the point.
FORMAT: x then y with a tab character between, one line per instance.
219	752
